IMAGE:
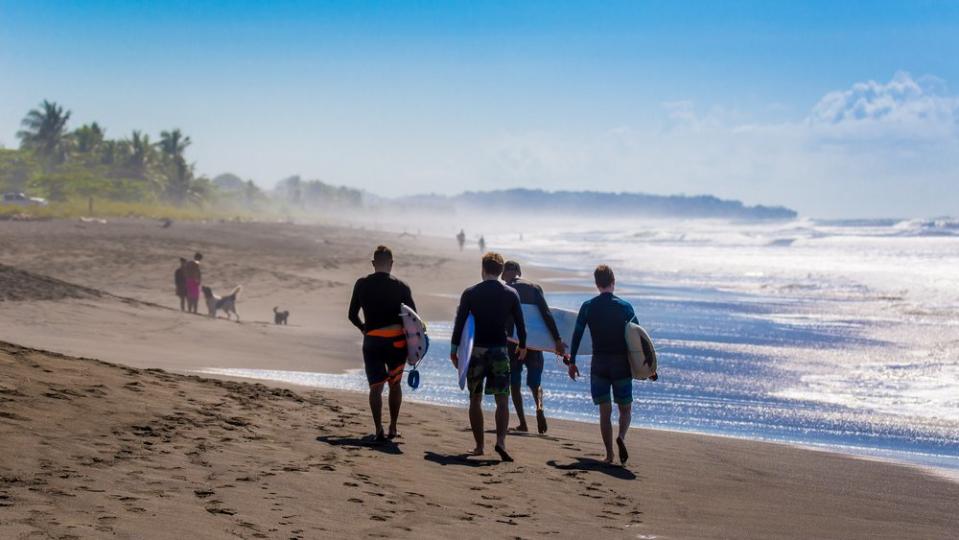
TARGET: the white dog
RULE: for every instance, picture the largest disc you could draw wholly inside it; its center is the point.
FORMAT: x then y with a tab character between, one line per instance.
226	303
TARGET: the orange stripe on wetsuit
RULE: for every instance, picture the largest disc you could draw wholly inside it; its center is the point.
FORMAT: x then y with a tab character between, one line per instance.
396	373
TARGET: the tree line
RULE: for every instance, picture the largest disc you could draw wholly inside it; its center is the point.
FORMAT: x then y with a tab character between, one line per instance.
60	163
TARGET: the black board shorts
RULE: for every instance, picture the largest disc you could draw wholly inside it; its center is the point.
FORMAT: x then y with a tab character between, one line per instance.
384	358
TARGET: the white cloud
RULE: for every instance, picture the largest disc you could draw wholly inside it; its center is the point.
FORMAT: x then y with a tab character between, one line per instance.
872	149
902	108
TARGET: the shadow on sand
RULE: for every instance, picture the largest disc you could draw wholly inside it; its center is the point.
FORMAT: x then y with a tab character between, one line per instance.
386	447
594	465
463	460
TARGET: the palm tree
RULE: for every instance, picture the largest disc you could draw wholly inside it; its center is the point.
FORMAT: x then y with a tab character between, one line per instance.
173	146
45	131
140	154
88	138
173	143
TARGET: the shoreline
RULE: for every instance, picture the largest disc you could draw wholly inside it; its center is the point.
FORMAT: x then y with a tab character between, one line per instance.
884	456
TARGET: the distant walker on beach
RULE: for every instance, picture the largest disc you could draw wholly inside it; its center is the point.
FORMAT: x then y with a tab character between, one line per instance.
194	278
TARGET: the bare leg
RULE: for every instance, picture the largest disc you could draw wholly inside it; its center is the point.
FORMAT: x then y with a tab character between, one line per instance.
476	422
376	407
606	428
518	405
537	392
396	399
502	419
183	303
625	417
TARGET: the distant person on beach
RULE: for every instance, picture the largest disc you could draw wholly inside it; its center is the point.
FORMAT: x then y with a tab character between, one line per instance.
606	316
492	303
179	280
482	244
194	278
529	293
461	239
379	295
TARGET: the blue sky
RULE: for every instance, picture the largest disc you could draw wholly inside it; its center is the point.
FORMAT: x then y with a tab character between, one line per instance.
834	108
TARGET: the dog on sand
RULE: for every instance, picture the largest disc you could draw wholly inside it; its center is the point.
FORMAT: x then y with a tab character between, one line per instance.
280	317
226	303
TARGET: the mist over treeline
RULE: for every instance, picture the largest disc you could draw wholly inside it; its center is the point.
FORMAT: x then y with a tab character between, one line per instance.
62	163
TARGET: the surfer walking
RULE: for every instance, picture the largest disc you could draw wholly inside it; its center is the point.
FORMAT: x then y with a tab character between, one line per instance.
529	293
379	295
491	303
606	316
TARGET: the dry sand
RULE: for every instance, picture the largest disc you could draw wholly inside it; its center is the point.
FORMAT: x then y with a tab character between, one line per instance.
99	450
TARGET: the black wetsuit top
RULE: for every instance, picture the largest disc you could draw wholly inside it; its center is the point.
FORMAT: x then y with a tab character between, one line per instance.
380	295
606	315
531	293
491	302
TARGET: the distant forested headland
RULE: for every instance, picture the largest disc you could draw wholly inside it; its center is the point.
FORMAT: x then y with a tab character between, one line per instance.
72	167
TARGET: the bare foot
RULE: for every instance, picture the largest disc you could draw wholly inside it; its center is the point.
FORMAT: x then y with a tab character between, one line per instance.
478	451
521	427
608	460
503	455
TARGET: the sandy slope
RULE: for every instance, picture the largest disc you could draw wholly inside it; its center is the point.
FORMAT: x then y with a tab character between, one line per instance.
94	450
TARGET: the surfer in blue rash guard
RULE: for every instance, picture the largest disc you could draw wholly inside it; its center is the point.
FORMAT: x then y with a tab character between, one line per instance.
607	315
491	302
529	293
379	295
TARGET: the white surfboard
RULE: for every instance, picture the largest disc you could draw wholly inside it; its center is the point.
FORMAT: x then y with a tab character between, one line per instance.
417	344
538	337
465	349
641	348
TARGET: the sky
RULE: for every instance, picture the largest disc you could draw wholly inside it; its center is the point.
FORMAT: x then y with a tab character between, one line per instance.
836	109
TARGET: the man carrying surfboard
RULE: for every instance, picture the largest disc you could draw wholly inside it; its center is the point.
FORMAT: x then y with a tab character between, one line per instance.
380	296
607	315
491	303
532	294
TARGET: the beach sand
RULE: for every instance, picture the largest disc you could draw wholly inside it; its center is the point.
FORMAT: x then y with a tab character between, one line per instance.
123	449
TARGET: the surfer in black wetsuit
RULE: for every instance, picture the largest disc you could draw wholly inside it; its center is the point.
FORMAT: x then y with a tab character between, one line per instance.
529	293
606	316
491	303
379	295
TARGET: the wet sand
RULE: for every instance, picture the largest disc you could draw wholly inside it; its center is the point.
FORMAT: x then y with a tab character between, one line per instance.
95	449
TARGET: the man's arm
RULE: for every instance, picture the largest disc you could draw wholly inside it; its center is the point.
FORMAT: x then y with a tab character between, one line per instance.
354	313
462	312
579	330
519	321
408	298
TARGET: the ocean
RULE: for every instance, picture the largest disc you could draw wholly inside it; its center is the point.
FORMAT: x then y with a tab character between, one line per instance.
839	335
